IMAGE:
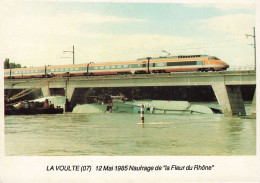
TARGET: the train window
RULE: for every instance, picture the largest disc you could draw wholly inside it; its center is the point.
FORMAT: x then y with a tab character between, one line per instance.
72	69
125	66
172	63
57	70
16	72
119	66
96	67
76	68
107	67
113	66
134	65
101	67
181	63
141	65
52	70
61	69
67	69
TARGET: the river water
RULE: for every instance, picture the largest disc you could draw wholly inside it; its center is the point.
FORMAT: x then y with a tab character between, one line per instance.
122	134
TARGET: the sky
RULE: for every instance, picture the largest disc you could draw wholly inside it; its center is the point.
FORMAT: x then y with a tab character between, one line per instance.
35	33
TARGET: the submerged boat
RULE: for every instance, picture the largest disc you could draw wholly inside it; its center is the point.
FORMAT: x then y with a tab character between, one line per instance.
150	107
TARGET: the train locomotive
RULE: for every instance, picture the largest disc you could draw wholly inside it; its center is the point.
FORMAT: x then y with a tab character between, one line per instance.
180	63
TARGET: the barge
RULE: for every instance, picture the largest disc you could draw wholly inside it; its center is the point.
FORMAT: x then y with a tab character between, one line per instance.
150	107
32	108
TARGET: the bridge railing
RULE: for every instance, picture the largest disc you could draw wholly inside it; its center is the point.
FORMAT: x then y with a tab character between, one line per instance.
241	68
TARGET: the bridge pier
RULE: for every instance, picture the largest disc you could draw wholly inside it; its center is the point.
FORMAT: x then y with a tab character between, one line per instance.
45	91
230	99
253	107
69	91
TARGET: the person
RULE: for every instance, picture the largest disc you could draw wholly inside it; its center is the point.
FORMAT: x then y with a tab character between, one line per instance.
31	105
20	105
46	104
51	105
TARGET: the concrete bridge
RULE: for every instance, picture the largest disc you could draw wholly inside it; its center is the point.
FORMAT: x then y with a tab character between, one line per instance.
225	84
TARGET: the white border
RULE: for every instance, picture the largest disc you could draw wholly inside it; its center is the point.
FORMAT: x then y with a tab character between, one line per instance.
33	169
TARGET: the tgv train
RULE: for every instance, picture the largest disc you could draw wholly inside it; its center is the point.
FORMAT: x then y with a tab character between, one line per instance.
181	63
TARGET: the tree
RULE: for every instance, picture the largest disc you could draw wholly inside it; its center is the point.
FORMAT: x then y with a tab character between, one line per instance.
10	65
6	63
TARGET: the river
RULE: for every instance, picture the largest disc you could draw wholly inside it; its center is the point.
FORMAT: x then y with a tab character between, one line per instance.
122	134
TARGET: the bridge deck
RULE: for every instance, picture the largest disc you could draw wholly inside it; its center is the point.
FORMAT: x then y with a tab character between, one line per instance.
226	84
163	79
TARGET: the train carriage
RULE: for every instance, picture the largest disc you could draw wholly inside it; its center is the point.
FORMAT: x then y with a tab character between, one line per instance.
24	72
117	68
71	70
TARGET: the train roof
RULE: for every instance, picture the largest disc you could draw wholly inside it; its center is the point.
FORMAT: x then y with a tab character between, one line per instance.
178	56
